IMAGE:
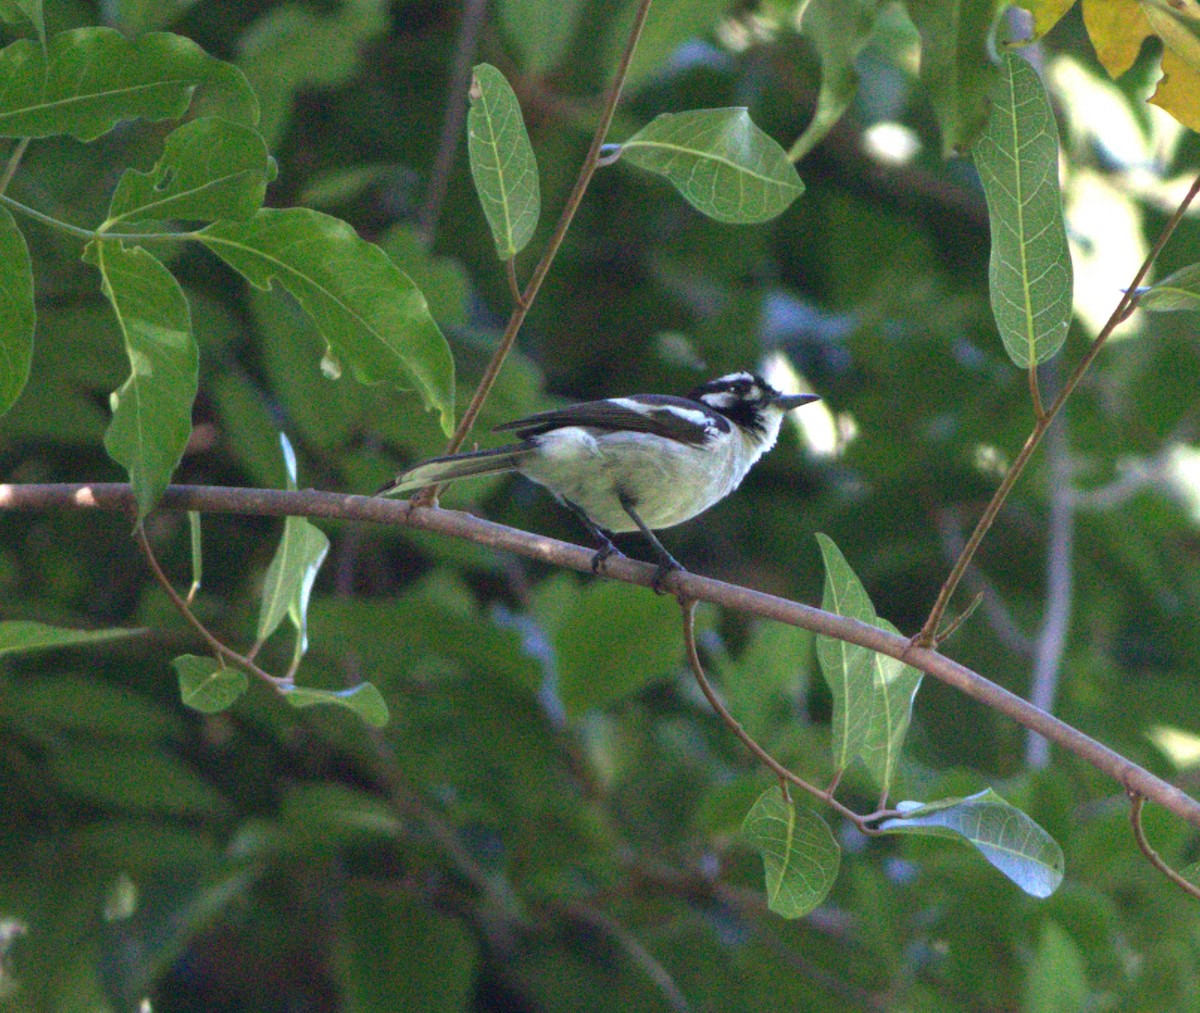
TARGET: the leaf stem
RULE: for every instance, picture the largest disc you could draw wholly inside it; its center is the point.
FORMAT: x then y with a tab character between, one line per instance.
688	605
1136	804
88	234
14	161
523	304
223	653
927	637
1035	393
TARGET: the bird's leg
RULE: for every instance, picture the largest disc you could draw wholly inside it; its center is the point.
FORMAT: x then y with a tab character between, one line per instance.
606	546
666	562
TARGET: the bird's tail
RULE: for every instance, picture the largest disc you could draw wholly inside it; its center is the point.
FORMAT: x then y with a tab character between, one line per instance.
437	470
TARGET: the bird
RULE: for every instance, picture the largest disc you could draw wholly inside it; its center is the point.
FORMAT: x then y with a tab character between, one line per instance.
638	463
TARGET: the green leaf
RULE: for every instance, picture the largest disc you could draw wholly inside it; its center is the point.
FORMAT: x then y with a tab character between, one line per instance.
671	23
540	30
30	10
208	686
956	64
372	316
18	635
133	777
1177	291
894	687
17	313
612	641
152	410
90	79
209	169
1056	979
294	47
1030	269
87	706
290	577
431	958
848	668
1004	835
502	162
136	17
721	163
364	699
800	856
838	30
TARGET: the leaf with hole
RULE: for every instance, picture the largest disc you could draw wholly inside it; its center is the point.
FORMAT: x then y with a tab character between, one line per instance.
503	165
372	316
800	856
721	163
1005	836
1029	272
209	169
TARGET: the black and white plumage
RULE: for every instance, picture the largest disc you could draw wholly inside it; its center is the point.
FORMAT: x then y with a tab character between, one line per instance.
635	463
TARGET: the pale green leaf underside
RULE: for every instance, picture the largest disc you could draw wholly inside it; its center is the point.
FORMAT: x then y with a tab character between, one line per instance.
17	314
90	79
894	687
209	169
290	577
152	410
1178	291
364	699
847	668
1005	836
800	856
502	162
374	319
721	163
207	686
1030	268
17	635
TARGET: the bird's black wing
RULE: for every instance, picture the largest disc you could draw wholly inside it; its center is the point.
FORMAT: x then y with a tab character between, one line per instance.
674	418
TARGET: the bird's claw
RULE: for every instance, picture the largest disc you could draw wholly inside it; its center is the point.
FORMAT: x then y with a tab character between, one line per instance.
603	554
664	570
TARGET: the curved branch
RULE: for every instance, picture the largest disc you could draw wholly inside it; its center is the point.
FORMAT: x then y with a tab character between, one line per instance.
118	497
1136	803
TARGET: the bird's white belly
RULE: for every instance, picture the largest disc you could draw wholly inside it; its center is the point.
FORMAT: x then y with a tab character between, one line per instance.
668	482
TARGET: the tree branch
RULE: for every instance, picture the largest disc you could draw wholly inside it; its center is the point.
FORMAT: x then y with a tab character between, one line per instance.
118	497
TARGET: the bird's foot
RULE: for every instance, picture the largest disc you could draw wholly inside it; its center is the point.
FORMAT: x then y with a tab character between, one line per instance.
602	554
664	569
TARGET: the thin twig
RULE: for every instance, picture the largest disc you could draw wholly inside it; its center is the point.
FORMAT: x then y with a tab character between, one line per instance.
456	110
225	654
522	307
118	497
642	957
928	635
688	605
1136	803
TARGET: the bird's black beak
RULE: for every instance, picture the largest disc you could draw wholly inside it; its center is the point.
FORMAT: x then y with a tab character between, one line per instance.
786	402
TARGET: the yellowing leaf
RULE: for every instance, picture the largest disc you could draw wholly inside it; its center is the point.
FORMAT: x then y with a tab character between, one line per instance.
1119	27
